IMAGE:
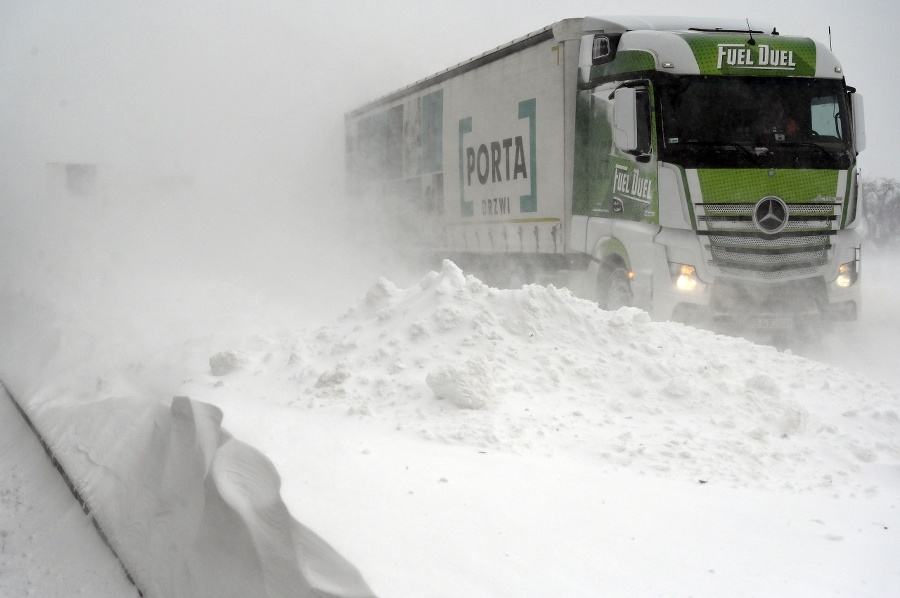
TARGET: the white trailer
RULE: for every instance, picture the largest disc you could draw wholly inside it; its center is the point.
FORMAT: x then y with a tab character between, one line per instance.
702	169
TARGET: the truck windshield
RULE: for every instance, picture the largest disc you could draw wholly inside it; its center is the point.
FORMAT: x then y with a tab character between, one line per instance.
734	122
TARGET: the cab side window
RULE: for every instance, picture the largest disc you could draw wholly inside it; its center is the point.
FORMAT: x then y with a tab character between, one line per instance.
643	120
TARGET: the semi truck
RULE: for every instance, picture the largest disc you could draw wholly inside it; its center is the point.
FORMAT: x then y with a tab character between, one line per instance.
702	169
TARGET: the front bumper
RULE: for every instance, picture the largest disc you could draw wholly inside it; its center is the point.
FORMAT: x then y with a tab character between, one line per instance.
755	302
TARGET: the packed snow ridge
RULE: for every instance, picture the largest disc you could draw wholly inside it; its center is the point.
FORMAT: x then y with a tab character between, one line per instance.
190	510
538	369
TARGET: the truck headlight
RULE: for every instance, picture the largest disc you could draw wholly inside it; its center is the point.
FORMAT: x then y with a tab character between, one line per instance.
847	274
684	277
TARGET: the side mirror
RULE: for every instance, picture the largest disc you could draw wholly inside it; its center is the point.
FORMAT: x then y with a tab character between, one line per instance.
631	121
625	119
859	125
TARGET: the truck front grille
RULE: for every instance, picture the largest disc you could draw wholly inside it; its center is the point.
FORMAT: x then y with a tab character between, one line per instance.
736	247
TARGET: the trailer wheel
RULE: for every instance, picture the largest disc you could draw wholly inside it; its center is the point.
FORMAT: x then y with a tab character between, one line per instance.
614	288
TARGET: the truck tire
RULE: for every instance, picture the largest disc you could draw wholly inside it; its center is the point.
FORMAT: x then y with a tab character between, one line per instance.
614	289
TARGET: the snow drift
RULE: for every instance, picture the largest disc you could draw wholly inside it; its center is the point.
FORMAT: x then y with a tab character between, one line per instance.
454	360
190	510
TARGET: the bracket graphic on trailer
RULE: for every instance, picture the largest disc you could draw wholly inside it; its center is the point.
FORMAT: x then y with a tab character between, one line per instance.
470	161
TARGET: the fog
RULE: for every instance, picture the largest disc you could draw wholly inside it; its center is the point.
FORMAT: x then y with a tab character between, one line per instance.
215	135
213	156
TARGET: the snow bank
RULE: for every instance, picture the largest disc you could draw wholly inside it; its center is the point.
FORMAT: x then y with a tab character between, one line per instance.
538	369
190	510
520	376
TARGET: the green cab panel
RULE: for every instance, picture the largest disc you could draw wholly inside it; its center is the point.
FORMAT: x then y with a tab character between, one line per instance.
730	54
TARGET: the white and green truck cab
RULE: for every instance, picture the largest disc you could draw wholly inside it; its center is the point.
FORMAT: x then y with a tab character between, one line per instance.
702	169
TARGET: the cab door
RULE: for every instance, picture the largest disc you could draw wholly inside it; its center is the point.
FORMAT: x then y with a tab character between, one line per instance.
634	160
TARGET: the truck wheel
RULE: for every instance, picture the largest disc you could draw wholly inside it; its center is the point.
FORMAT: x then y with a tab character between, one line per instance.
615	289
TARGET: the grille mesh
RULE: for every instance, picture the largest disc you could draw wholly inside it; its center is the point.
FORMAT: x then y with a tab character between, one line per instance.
745	225
759	242
803	257
746	209
734	252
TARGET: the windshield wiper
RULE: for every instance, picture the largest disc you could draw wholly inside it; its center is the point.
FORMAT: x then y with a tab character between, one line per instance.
724	144
835	157
805	144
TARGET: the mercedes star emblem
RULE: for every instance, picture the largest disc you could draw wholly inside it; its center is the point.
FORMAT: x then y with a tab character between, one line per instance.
770	214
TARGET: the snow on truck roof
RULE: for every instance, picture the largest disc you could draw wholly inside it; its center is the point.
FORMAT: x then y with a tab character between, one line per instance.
621	24
573	29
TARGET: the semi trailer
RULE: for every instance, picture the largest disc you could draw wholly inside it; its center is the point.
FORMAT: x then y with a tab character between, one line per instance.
702	169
